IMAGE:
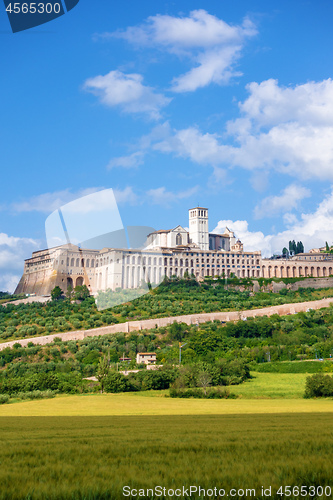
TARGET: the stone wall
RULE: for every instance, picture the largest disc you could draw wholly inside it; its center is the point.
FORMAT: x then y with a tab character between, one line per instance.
308	283
193	319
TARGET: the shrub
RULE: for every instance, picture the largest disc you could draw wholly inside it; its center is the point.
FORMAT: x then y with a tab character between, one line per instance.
4	398
211	393
319	385
156	379
117	382
36	395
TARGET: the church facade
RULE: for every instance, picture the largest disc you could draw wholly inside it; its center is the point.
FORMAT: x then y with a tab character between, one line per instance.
172	252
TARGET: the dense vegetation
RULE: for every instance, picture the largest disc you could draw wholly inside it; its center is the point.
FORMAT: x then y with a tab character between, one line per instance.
262	341
171	298
8	297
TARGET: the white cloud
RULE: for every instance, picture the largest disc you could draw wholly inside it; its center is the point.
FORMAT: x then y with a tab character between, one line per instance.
288	130
160	196
130	161
13	251
288	200
191	143
214	67
48	202
210	43
8	282
200	30
313	229
126	195
128	92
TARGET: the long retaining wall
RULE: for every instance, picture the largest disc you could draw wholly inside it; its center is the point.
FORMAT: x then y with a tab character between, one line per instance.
191	319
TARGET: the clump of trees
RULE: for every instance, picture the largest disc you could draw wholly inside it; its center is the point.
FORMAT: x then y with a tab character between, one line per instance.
294	248
318	386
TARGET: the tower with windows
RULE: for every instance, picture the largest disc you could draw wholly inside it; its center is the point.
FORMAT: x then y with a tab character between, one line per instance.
198	227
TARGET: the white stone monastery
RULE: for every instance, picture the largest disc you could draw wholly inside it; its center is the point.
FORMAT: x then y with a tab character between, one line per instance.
172	252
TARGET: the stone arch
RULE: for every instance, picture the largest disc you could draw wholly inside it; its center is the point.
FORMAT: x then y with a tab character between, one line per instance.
329	271
312	272
324	271
318	272
72	262
178	239
69	282
79	281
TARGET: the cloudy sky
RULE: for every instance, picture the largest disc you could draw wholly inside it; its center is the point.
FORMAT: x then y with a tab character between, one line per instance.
228	105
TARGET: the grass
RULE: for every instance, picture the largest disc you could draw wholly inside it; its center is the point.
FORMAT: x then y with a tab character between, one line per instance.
264	393
88	447
272	385
95	457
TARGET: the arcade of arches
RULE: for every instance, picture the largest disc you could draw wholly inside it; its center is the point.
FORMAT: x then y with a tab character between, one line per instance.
294	269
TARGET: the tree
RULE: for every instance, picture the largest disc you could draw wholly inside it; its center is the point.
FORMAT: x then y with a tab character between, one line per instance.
299	247
294	248
204	381
102	372
285	252
81	292
69	292
117	382
56	293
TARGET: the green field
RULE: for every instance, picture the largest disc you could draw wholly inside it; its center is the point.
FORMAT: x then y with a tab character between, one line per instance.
263	393
90	446
95	457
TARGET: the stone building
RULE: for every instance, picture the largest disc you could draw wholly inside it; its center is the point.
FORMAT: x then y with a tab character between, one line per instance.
172	252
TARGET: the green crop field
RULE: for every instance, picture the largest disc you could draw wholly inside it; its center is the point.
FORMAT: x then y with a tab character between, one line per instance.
90	446
95	457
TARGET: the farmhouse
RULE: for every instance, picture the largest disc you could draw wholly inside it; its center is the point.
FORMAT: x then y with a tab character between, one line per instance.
148	358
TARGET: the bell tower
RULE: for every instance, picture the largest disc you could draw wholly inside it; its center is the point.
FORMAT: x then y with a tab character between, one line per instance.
198	224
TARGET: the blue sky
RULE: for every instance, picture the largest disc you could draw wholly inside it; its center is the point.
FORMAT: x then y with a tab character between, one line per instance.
225	104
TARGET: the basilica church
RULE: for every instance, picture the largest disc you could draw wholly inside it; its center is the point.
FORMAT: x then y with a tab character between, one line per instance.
166	252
